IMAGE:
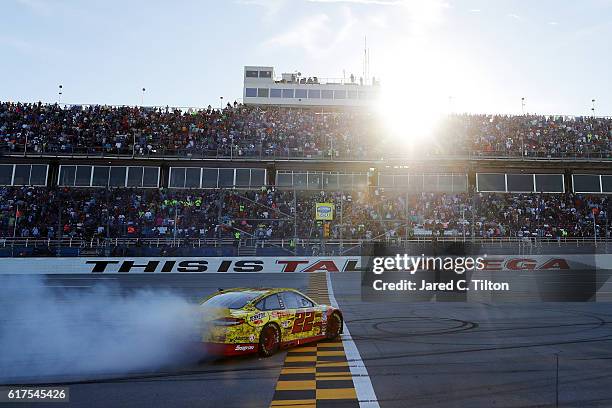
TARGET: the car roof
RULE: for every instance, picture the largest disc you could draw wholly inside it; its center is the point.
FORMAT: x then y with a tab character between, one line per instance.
266	292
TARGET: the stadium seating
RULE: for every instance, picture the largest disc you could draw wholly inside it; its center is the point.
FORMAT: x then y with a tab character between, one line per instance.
40	212
242	131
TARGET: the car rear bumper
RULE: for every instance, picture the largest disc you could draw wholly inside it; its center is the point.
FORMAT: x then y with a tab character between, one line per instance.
223	349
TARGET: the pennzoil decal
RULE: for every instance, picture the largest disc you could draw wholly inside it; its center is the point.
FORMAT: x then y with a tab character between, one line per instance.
258	318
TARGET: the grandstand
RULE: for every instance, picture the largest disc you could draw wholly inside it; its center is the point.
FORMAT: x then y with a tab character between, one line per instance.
247	178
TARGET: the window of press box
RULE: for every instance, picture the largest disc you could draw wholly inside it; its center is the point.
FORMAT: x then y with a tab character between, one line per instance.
300	93
262	92
258	177
549	183
6	174
520	182
314	94
287	93
251	74
339	94
327	94
400	181
415	183
265	74
330	181
83	176
192	177
22	175
117	176
299	180
606	184
490	182
445	183
226	177
251	92
284	179
38	175
135	176
276	93
150	177
430	183
177	177
360	180
100	176
586	183
345	181
243	177
460	183
315	181
209	178
66	177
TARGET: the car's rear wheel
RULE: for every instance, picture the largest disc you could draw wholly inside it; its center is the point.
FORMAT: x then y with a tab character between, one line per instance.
269	340
334	326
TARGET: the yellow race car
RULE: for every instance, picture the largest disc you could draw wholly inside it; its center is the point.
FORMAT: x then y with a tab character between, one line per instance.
242	321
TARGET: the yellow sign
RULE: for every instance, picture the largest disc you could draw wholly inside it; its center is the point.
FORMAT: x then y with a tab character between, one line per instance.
324	211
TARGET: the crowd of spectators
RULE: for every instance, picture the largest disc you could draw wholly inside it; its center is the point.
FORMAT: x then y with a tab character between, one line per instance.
239	130
36	212
236	130
526	135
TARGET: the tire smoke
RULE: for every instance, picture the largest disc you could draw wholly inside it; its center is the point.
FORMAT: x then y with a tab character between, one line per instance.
47	333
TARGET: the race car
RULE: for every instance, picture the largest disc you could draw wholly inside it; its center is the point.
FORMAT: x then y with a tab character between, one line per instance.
242	321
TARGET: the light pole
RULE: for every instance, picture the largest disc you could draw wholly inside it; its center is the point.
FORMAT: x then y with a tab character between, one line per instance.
142	97
523	105
59	95
221	102
593	107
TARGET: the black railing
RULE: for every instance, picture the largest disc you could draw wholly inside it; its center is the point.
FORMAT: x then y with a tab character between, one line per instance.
288	242
259	152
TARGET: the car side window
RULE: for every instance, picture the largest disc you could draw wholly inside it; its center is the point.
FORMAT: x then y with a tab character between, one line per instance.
304	302
294	301
269	303
290	300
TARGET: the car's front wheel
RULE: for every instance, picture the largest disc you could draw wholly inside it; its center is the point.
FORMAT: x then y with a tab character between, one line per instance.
269	340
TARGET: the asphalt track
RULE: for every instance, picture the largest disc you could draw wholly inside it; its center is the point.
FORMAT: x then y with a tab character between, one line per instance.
455	354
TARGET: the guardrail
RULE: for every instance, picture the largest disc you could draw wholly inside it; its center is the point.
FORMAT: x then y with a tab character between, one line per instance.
286	243
261	153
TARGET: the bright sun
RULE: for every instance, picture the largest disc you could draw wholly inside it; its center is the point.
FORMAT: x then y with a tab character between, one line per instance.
416	92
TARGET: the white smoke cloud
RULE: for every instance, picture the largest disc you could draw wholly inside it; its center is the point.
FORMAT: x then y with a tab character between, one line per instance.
99	331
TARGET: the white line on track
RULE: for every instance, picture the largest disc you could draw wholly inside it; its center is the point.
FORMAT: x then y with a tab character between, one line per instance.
82	278
361	379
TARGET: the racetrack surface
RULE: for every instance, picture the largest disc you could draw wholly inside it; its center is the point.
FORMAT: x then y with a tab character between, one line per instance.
417	354
458	354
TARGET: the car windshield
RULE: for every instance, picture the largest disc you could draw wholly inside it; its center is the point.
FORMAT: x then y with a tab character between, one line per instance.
233	300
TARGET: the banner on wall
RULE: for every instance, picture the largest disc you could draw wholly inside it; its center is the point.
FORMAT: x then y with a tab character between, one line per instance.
135	265
179	265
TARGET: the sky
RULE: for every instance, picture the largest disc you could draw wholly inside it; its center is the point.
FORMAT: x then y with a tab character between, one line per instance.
467	56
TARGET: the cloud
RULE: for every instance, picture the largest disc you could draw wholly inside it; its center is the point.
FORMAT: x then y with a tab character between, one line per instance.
36	6
29	48
375	2
515	16
553	23
475	11
315	34
271	7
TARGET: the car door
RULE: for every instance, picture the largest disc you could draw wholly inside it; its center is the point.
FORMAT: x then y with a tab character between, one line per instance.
301	312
